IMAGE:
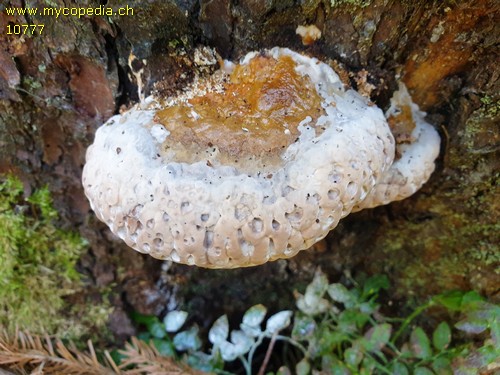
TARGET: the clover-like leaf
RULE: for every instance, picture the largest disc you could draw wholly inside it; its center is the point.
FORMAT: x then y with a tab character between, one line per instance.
317	288
187	340
422	371
157	329
174	320
399	368
420	344
441	337
254	316
352	320
339	293
442	366
353	356
283	370
451	300
202	361
228	351
164	347
219	330
373	285
242	342
378	336
278	321
480	316
472	326
368	365
250	330
143	319
471	297
303	327
311	306
303	367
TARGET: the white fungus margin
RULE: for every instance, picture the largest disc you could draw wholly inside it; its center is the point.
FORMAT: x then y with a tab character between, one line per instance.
220	216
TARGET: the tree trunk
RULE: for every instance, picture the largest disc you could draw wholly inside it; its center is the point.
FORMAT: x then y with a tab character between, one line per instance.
56	88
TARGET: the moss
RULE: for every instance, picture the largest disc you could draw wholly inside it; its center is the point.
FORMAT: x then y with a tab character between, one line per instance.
480	135
451	238
443	251
352	3
37	265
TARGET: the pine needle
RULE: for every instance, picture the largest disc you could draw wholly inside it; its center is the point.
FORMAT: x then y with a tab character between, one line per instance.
26	353
145	359
23	353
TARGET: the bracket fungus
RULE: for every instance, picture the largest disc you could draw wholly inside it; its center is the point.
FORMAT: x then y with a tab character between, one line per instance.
252	164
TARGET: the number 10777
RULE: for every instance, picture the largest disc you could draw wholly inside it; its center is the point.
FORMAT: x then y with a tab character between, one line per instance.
24	29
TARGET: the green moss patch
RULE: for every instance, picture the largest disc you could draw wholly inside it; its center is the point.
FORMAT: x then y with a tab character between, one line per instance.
37	263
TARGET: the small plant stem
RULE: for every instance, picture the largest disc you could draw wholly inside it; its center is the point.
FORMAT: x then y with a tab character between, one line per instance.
252	349
247	365
409	319
268	354
293	342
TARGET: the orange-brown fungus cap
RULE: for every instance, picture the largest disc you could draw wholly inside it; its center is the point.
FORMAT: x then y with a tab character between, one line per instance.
257	113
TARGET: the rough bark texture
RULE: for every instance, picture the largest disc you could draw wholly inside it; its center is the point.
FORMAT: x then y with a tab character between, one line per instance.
58	87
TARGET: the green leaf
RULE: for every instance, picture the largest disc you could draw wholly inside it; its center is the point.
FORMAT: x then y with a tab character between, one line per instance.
471	297
164	347
242	342
303	367
312	302
278	321
488	354
472	326
368	307
303	327
311	306
441	337
187	340
442	366
353	356
405	350
495	331
479	316
252	319
229	351
329	339
351	320
378	336
117	356
332	366
339	293
450	300
368	365
374	284
157	329
144	336
205	362
174	320
420	344
283	370
219	331
254	316
422	371
399	368
143	319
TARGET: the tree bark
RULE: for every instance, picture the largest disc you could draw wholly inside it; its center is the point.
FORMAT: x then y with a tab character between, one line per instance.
58	87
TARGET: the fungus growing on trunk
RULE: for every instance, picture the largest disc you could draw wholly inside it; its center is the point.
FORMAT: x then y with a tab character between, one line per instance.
253	164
